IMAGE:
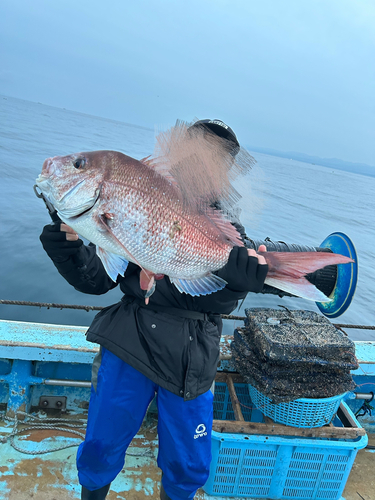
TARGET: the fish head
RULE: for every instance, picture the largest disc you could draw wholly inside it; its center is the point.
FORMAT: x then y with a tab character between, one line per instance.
73	183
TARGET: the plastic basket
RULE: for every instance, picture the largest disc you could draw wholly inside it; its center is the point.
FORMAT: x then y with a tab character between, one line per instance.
276	467
303	412
223	409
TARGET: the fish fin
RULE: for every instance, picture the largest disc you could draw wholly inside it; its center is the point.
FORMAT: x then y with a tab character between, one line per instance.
230	233
150	290
302	263
160	169
199	286
113	264
287	271
147	282
102	219
146	161
300	287
145	278
196	161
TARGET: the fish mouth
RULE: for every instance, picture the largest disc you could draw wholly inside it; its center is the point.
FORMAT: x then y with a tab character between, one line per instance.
57	202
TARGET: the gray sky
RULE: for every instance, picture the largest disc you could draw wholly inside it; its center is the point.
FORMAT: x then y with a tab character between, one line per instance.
289	75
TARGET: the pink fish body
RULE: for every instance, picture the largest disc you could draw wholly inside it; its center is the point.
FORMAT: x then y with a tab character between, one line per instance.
128	210
132	213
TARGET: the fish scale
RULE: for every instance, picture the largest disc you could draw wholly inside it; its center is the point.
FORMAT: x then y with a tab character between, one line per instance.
193	249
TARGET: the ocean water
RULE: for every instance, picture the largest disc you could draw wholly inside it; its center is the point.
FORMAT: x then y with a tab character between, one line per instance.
283	199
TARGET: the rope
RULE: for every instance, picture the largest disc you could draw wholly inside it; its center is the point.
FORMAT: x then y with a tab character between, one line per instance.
37	423
359	327
99	308
50	305
232	316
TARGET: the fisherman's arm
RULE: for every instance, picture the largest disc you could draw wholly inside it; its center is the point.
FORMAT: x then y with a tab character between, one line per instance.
76	262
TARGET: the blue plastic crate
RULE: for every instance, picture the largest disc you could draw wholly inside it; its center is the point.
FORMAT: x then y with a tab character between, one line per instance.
303	412
223	409
276	467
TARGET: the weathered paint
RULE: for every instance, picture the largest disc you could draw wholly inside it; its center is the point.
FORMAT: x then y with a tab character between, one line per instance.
26	343
361	482
40	341
365	352
25	476
19	381
53	476
31	353
64	347
62	350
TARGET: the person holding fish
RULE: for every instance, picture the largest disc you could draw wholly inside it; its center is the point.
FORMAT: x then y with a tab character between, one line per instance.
161	229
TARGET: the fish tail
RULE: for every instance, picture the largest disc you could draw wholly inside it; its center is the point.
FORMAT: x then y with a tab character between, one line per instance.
288	270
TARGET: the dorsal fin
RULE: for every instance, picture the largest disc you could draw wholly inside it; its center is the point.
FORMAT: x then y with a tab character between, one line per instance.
199	164
160	169
225	227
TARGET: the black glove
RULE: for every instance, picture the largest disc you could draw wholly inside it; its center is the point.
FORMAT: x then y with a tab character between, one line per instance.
243	273
54	242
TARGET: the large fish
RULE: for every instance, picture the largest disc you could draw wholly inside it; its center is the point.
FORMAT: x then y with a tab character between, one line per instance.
136	211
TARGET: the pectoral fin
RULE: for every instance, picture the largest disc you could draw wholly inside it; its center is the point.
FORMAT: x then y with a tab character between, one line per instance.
113	264
200	286
103	223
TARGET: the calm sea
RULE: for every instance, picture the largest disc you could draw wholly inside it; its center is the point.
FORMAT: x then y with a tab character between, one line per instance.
284	199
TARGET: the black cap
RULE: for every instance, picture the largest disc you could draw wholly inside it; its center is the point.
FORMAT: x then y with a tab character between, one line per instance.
221	129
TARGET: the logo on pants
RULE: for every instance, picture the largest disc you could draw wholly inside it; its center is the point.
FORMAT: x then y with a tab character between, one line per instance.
200	431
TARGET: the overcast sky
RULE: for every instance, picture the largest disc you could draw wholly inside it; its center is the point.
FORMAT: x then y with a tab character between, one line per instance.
289	75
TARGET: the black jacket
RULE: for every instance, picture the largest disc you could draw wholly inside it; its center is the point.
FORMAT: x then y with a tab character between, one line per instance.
177	349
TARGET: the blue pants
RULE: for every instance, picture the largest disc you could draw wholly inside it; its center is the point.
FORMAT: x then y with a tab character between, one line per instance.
119	401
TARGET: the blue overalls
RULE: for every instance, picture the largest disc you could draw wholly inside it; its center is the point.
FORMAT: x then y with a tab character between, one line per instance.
120	396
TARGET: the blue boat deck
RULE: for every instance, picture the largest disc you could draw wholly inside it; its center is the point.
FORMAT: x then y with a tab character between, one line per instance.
38	361
52	476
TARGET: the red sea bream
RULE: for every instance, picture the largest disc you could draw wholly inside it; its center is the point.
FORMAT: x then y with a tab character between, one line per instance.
137	211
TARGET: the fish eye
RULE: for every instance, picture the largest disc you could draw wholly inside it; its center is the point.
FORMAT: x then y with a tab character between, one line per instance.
79	163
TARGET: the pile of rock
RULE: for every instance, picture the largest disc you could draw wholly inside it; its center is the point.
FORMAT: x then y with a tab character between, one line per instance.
287	355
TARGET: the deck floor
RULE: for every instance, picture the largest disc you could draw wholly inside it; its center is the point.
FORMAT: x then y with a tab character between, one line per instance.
52	476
